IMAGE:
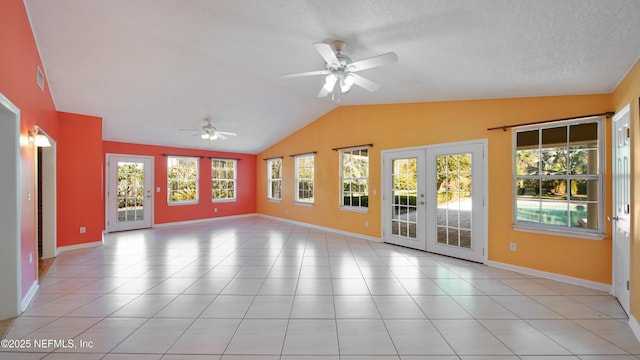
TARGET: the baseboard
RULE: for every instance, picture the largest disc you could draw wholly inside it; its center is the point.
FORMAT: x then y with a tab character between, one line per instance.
200	221
26	300
635	327
552	276
62	249
324	228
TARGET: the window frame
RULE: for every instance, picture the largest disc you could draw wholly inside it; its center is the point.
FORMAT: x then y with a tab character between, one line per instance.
563	230
342	195
271	179
297	160
196	180
235	180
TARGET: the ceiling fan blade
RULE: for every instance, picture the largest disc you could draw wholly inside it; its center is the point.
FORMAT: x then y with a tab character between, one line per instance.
189	129
375	61
227	133
365	83
329	84
307	73
327	53
221	136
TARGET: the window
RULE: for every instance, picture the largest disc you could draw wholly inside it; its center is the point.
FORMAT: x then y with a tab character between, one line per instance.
355	178
304	178
274	176
558	176
223	180
182	180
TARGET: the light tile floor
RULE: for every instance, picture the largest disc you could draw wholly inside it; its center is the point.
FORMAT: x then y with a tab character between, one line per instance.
257	288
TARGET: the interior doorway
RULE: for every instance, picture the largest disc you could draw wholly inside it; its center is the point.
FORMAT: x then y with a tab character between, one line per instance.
10	209
46	210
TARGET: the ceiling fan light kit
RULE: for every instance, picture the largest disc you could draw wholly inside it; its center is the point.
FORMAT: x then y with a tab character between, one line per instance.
339	69
210	132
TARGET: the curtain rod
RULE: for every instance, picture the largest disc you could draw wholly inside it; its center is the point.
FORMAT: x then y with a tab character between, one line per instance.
198	156
223	158
505	127
353	146
275	157
304	153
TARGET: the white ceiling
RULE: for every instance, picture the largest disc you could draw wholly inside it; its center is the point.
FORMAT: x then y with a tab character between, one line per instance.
151	67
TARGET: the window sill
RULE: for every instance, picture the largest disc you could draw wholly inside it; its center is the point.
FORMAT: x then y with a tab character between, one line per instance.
309	204
274	200
354	209
558	232
183	203
215	201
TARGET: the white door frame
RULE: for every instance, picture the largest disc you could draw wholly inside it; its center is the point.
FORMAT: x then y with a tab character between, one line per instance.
620	216
485	169
150	197
10	210
49	200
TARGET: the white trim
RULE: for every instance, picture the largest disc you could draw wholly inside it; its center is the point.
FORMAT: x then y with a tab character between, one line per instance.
620	257
199	221
635	326
484	143
591	234
552	276
26	300
355	209
62	249
324	228
49	199
10	210
548	230
149	172
197	181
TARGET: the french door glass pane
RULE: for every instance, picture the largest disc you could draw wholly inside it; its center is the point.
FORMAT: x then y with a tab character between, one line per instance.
405	190
130	191
453	187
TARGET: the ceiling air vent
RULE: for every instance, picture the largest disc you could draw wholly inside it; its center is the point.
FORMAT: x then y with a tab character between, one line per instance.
40	78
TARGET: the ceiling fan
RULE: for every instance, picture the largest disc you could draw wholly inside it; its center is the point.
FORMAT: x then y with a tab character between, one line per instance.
210	132
339	69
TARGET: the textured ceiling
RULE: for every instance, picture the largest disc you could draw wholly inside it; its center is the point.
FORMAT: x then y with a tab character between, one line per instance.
151	67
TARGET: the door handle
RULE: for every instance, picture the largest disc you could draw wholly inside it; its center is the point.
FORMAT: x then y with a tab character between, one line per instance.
613	218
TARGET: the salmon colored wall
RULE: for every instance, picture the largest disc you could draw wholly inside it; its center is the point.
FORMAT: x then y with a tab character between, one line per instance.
163	213
18	64
417	124
80	188
628	92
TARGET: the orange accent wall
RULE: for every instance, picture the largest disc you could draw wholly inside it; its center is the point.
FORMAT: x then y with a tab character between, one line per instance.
18	64
628	92
163	213
417	124
80	185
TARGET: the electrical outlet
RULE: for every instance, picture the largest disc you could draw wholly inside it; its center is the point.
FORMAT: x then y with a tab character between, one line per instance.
286	211
30	258
158	189
512	246
83	229
215	210
366	224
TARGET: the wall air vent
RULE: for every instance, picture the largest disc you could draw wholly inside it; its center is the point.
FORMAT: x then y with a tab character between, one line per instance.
40	78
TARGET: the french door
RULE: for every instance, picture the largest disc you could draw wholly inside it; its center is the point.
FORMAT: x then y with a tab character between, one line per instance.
621	218
434	199
129	192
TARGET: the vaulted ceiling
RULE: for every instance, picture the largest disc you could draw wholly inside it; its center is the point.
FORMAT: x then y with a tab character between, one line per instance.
152	67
